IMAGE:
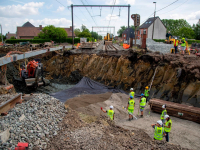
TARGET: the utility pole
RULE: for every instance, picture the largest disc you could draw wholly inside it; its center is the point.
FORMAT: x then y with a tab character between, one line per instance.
154	20
72	27
128	22
1	34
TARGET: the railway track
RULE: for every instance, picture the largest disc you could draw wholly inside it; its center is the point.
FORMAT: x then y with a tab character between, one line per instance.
6	106
111	47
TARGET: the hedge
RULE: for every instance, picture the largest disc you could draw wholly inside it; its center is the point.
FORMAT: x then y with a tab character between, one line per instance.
68	40
189	41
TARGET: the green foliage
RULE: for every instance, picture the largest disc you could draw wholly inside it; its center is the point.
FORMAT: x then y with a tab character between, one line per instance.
36	37
189	41
77	31
186	33
12	37
174	26
68	40
84	34
122	29
196	29
99	37
4	37
94	35
52	32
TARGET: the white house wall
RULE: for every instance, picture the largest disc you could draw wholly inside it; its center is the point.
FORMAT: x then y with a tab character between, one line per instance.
159	30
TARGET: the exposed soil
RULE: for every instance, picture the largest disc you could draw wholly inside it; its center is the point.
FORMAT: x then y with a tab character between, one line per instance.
184	133
101	134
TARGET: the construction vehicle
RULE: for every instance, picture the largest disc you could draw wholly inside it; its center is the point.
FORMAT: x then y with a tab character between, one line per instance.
170	40
108	39
32	74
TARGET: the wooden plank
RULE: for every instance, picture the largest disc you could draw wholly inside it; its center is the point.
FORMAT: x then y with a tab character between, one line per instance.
177	110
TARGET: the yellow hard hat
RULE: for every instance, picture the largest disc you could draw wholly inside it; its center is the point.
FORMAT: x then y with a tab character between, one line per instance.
146	87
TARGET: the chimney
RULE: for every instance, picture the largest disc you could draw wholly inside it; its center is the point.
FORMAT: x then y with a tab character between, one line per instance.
8	32
40	27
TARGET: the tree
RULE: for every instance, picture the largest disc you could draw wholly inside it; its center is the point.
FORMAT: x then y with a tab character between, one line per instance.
175	25
94	35
122	29
12	37
51	32
77	31
186	33
4	37
196	29
84	34
99	37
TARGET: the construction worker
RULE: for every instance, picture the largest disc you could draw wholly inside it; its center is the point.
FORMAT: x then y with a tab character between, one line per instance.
95	40
183	44
168	35
164	112
131	93
146	93
158	130
167	127
176	44
142	104
130	107
110	112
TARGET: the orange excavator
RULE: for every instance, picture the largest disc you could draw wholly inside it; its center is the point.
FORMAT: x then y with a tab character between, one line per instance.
32	73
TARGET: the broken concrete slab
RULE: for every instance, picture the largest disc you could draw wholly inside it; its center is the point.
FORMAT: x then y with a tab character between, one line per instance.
5	135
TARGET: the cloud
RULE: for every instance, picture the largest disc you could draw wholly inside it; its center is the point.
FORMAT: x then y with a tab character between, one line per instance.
49	7
131	2
69	2
60	8
113	17
110	2
19	11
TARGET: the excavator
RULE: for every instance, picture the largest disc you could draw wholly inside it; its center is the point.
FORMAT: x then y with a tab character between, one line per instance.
170	40
108	37
32	74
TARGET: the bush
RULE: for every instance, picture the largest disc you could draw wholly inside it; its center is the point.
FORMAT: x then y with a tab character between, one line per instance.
159	40
68	40
189	41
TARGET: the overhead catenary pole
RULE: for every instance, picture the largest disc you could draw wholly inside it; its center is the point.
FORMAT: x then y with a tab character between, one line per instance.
128	22
96	6
72	27
154	20
1	34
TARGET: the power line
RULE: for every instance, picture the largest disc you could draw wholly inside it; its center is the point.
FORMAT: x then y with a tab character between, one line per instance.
89	12
166	6
175	8
66	7
112	12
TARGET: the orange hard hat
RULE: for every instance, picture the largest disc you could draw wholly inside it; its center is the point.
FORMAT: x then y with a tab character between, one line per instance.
146	87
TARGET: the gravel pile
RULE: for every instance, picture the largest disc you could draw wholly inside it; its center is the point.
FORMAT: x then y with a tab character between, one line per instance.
34	121
158	46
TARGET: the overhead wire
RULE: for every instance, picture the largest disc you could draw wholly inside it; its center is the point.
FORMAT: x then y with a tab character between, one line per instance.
112	13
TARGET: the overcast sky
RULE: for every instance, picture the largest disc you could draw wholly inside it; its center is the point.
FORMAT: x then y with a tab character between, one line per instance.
15	13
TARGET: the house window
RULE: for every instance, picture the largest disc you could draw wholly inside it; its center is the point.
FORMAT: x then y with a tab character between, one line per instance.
144	32
124	35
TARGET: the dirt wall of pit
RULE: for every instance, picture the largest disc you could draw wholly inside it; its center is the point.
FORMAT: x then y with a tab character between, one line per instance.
177	77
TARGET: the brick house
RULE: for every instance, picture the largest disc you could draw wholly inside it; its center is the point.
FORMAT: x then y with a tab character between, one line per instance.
147	27
128	33
9	35
29	31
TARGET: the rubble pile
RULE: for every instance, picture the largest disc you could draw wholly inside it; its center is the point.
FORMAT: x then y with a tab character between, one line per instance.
34	121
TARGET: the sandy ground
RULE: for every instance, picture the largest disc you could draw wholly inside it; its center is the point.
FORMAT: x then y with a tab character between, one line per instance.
184	133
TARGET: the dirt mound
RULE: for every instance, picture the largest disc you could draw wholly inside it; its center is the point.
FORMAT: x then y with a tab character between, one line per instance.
101	134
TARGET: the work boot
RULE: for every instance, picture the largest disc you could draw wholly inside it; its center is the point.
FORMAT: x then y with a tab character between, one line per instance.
141	116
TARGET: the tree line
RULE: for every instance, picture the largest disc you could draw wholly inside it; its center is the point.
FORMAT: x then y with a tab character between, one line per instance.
178	27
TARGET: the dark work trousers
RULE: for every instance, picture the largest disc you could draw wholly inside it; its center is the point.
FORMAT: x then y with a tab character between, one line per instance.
167	136
147	98
175	47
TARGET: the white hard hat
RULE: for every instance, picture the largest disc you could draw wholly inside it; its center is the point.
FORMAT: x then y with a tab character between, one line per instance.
163	106
159	122
176	38
166	116
131	89
111	107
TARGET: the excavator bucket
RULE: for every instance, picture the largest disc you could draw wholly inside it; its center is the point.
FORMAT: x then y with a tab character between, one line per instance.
32	82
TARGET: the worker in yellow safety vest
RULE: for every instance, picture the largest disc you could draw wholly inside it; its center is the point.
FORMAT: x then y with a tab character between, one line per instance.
183	45
158	130
164	112
110	112
176	45
130	107
142	104
131	93
146	93
95	40
167	127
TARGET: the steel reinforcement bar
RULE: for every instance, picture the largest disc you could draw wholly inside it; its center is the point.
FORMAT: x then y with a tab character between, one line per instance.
6	106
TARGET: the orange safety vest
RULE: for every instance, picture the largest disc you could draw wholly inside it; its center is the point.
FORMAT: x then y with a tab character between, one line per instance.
175	42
